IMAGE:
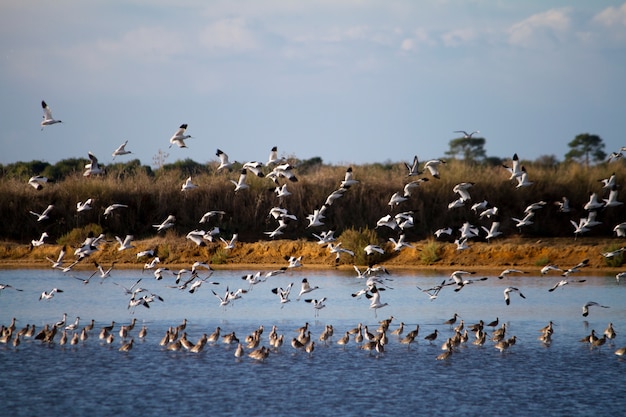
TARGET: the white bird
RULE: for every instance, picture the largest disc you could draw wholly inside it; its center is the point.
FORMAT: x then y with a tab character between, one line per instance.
580	227
549	268
414	168
152	264
273	157
316	218
348	180
241	183
493	231
370	249
433	292
114	206
224	162
409	187
336	194
58	263
433	167
388	221
167	223
93	167
188	185
576	268
619	276
104	273
479	206
206	216
510	271
337	250
515	169
325	237
563	283
36	243
283	293
43	215
305	287
124	244
179	137
397	198
591	304
48	295
459	202
401	243
230	244
281	191
47	116
522	179
620	229
294	261
197	237
121	150
457	278
493	211
443	231
282	171
612	200
468	231
84	206
535	206
462	189
255	168
508	290
613	253
526	221
609	183
461	244
317	304
563	205
593	203
467	135
37	181
374	297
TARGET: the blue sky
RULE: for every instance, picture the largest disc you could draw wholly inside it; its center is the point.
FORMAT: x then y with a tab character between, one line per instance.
351	81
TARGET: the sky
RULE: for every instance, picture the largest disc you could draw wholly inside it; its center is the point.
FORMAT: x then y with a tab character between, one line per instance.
350	81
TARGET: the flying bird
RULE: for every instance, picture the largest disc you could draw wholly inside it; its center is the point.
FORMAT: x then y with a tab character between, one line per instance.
179	137
121	150
508	290
591	304
47	116
43	215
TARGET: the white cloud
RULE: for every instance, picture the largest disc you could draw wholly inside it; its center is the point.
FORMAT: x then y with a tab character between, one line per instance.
549	26
612	16
231	35
458	37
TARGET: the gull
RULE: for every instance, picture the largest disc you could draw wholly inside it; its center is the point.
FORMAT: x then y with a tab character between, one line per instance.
179	137
338	193
198	282
563	205
8	286
131	290
433	167
522	179
397	198
515	168
509	271
84	206
224	162
619	276
507	291
114	206
388	221
281	191
459	202
167	223
43	215
614	253
405	220
493	211
281	213
461	244
231	243
104	273
49	295
370	249
255	168
282	171
273	157
609	183
467	135
37	181
374	297
535	206
457	279
158	273
620	229
468	231
188	185
211	213
47	116
197	237
241	183
40	241
325	237
526	221
305	287
414	168
493	231
433	292
124	244
58	263
612	200
580	227
294	262
462	189
443	231
283	293
93	167
479	206
121	150
593	202
409	187
616	156
317	304
591	304
348	180
337	250
401	243
549	268
576	268
148	253
316	218
564	282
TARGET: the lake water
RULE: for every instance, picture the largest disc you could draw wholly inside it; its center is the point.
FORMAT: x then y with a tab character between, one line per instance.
95	379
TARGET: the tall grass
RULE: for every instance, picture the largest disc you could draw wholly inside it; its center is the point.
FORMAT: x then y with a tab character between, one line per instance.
151	198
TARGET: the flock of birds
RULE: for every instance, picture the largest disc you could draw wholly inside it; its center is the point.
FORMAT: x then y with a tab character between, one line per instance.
282	174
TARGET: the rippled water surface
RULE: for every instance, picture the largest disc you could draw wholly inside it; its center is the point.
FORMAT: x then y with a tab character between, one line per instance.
92	378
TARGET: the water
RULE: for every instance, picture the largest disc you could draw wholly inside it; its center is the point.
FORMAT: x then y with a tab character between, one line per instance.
567	378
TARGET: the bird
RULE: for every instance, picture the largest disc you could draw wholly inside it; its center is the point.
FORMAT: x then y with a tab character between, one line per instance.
413	168
401	243
443	231
121	150
124	244
452	320
433	167
48	295
564	282
104	273
47	116
370	249
126	347
84	206
167	223
591	304
188	185
283	293
508	290
522	179
305	287
550	267
594	203
179	137
576	268
39	242
348	180
374	297
432	336
273	157
211	213
109	209
515	168
8	286
224	161
467	135
37	181
493	231
230	244
241	183
93	167
612	200
410	186
317	304
44	214
509	271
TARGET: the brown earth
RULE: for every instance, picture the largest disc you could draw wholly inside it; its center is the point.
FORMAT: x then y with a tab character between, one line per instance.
522	253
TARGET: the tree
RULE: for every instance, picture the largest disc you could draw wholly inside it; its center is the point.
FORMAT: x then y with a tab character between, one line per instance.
471	149
585	147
